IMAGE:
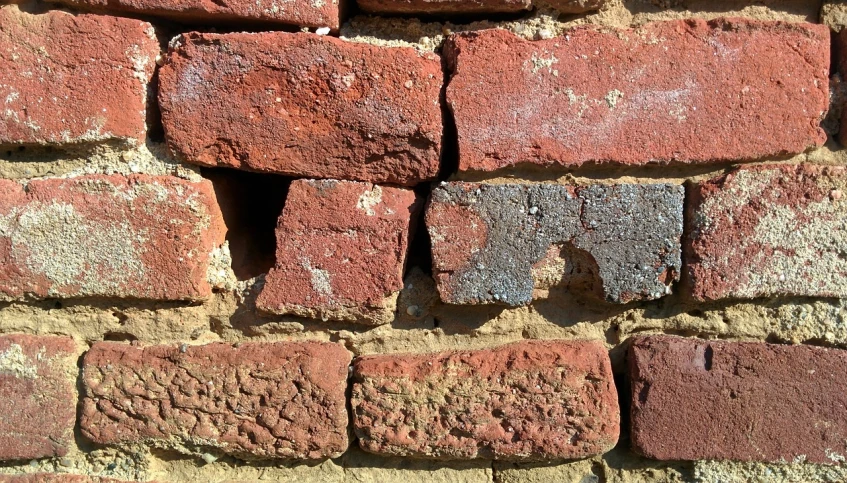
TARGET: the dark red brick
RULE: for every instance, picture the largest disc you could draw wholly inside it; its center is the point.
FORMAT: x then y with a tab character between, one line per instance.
304	13
695	399
38	390
509	243
303	105
686	91
540	400
341	251
145	237
444	6
769	230
255	400
73	78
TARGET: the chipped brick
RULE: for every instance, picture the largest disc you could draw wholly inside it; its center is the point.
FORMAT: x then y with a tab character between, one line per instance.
528	401
144	237
303	105
686	91
255	400
499	243
341	251
38	388
70	79
769	230
697	400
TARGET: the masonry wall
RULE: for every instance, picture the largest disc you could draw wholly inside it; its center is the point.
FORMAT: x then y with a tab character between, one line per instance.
466	241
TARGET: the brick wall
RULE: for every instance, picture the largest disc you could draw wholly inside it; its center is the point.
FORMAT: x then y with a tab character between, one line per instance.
387	240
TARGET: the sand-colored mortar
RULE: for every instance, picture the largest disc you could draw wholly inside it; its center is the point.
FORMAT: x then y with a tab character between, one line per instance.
423	323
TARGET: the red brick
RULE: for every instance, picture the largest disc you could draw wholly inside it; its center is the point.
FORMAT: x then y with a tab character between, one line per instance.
532	400
341	251
687	91
695	399
304	13
255	400
444	6
144	237
769	230
303	105
38	390
73	78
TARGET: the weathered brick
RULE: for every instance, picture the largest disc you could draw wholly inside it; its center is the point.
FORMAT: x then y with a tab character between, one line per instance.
304	13
255	400
695	399
146	237
769	230
532	400
38	390
687	91
341	251
73	78
303	105
501	243
444	6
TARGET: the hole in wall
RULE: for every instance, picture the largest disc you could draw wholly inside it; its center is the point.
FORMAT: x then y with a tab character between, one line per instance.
251	204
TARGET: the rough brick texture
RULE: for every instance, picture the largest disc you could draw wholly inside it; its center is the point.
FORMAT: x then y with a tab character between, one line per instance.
141	236
695	399
256	400
499	243
56	478
73	79
526	401
38	390
771	230
443	6
303	105
341	251
305	13
682	91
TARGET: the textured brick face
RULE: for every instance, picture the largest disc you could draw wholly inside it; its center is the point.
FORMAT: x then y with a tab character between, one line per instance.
498	243
303	105
257	400
444	6
341	250
523	402
695	399
684	91
38	390
305	13
140	237
73	79
772	230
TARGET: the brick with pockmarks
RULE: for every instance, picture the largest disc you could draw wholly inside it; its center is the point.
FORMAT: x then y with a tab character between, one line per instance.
38	390
303	13
444	6
254	400
507	244
528	401
143	237
696	399
71	79
341	251
686	91
303	105
769	230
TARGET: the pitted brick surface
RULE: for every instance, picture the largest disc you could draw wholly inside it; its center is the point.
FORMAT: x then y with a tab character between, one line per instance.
341	251
256	400
142	237
769	230
696	400
687	91
444	6
304	13
303	105
497	243
38	390
528	401
73	78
